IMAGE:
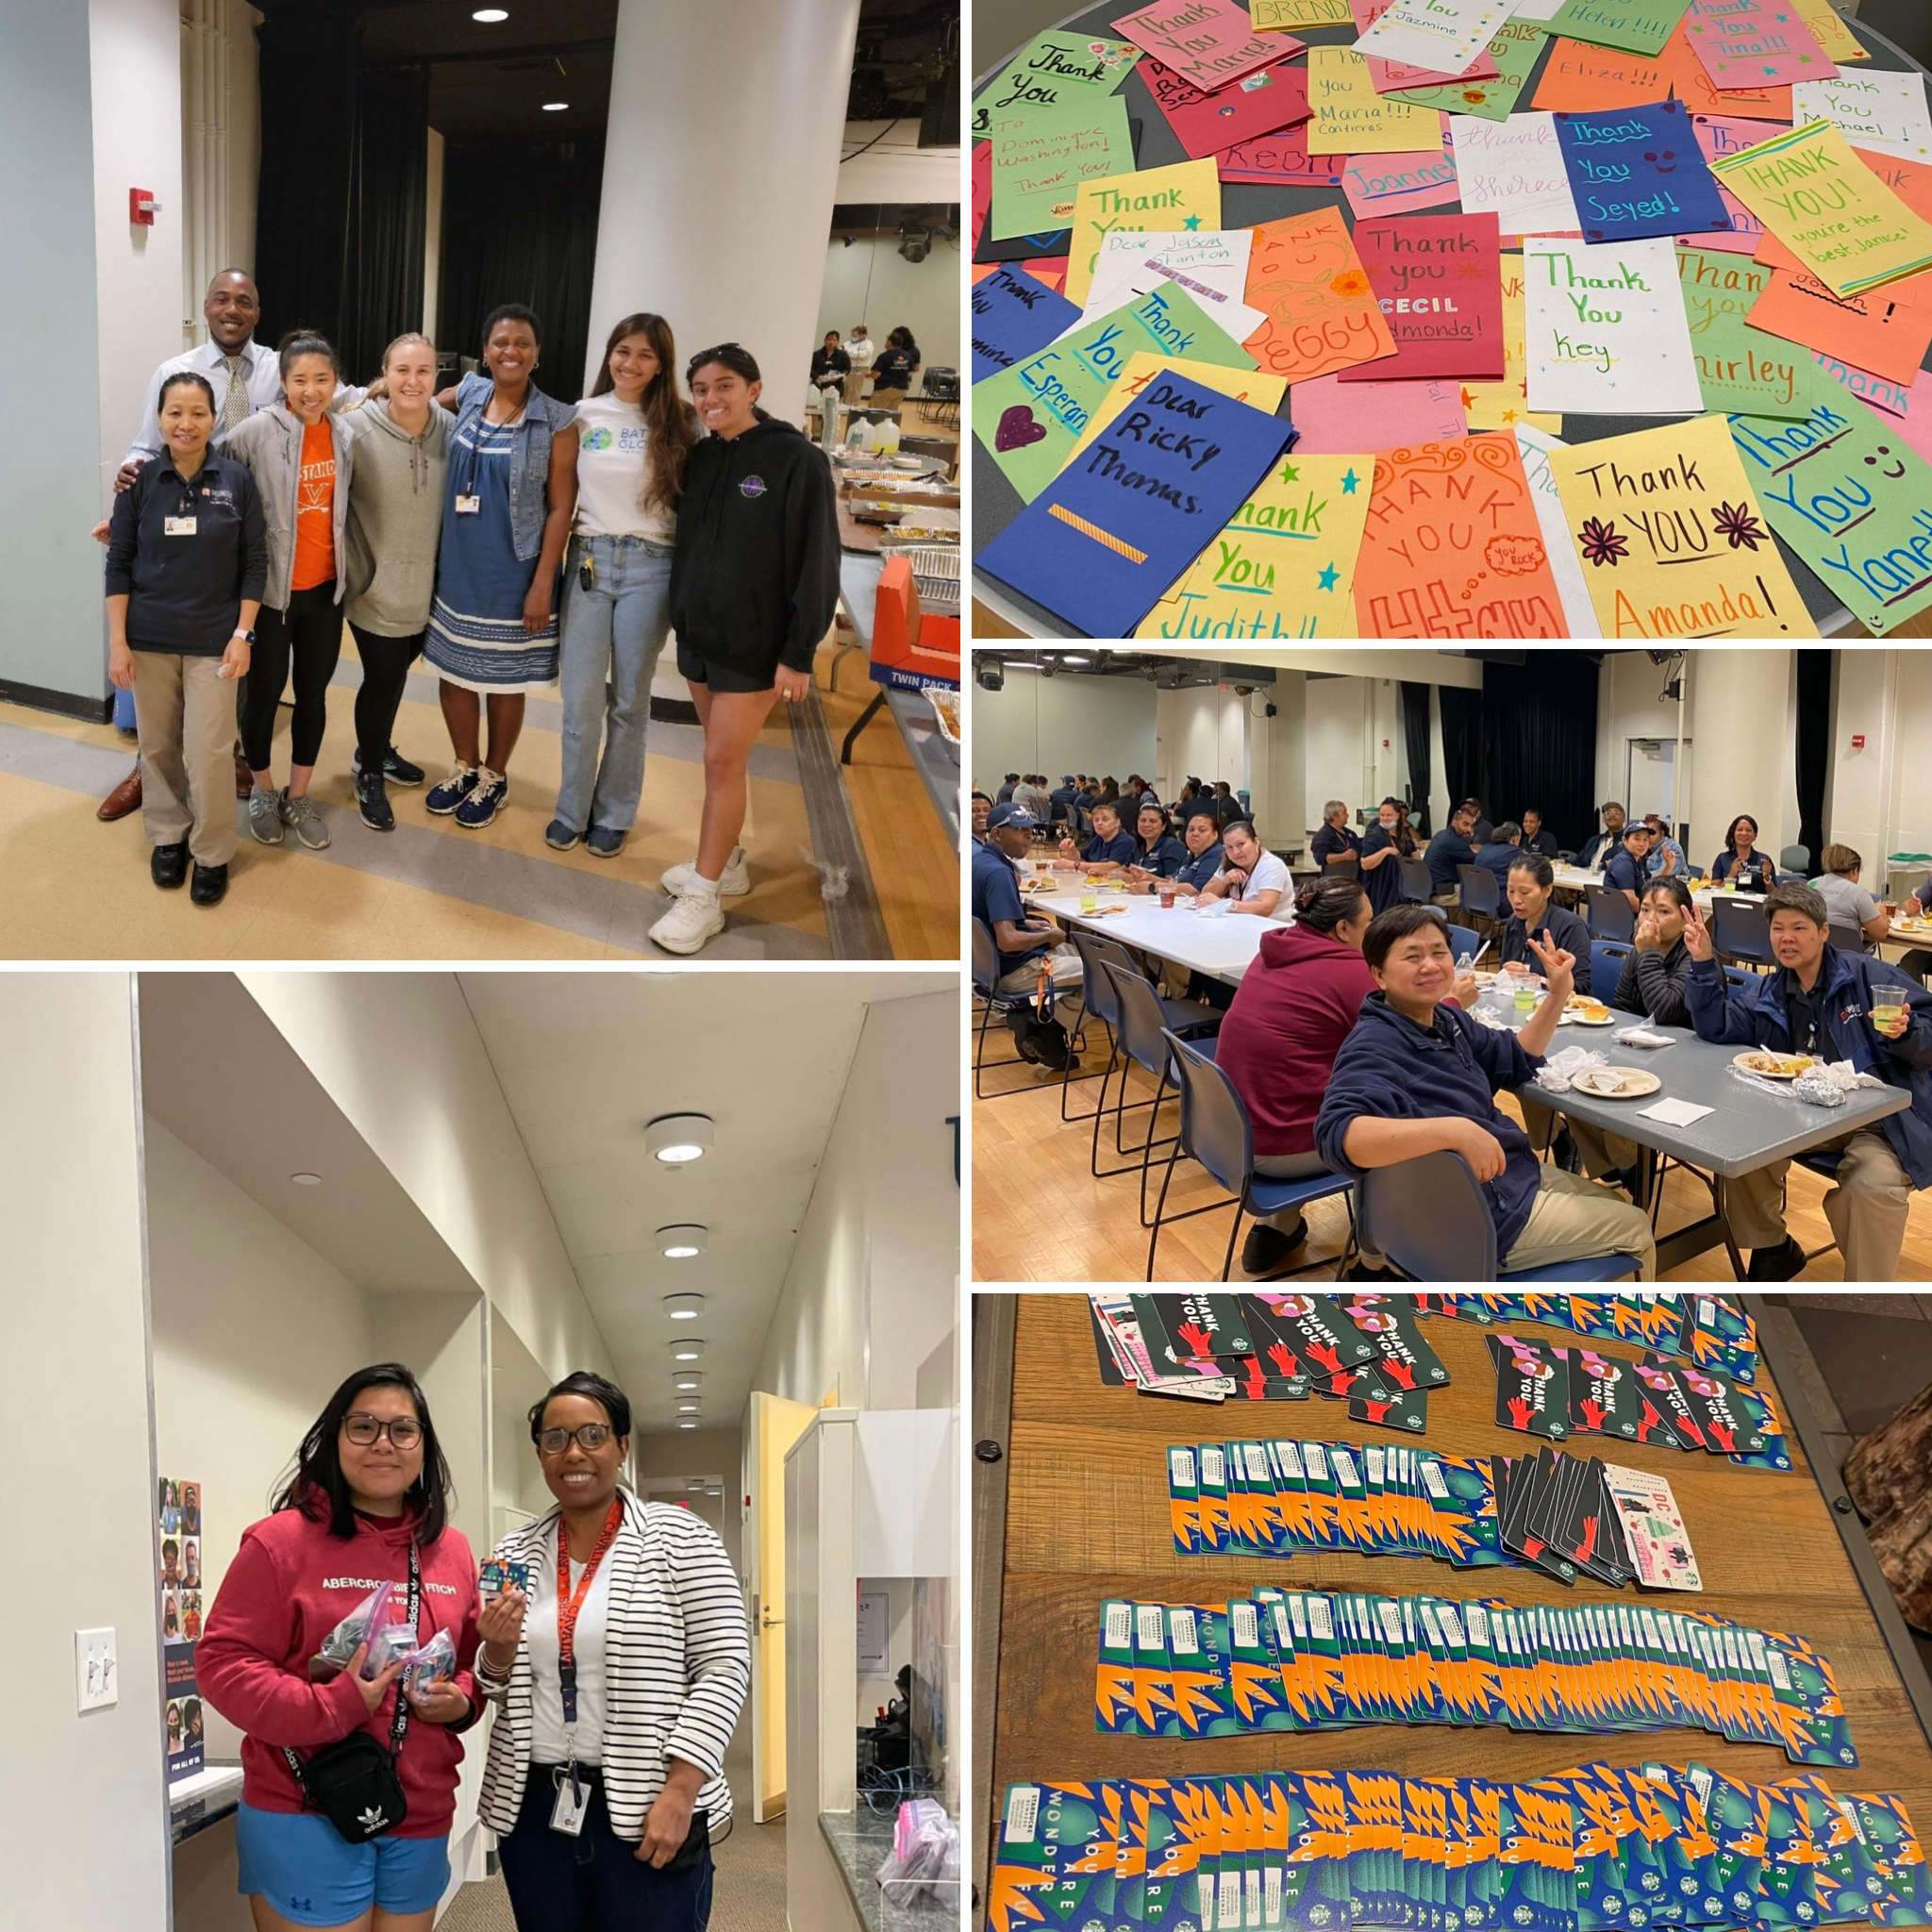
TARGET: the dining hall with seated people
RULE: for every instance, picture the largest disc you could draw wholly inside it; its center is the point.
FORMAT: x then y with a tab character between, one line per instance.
1389	964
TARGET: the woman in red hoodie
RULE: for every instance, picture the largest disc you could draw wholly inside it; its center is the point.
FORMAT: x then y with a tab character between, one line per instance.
370	1487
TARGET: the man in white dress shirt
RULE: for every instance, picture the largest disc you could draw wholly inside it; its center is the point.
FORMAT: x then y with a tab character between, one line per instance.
860	349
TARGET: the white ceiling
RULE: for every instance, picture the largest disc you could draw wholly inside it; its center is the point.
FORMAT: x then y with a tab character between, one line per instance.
585	1060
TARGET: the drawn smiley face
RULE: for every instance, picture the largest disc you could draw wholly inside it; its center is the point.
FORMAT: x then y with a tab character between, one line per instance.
1664	161
1894	471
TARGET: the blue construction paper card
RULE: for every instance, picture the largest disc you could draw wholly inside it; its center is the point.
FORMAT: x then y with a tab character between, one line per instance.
1014	314
1638	172
1101	544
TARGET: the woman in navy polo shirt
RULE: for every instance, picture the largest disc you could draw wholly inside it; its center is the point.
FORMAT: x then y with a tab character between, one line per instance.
1753	870
1333	838
1162	855
187	565
1111	846
1626	868
1389	842
1204	854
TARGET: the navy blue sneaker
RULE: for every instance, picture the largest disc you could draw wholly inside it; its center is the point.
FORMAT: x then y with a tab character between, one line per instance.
445	798
604	842
488	791
559	836
396	769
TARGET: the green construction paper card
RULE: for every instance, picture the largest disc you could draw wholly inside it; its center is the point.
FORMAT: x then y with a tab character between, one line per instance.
1514	48
1853	498
1031	415
1741	368
1057	69
1641	26
1042	155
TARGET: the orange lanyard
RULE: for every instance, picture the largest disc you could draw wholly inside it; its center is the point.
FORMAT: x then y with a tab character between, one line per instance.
570	1602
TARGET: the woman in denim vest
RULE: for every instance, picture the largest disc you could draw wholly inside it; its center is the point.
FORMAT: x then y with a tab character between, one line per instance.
492	629
626	453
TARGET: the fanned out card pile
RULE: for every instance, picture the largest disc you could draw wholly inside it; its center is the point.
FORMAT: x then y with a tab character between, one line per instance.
1309	1660
1602	1848
1712	1330
1542	1389
1262	1346
1288	1498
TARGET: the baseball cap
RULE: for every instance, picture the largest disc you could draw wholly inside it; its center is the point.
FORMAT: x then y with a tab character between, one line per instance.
1011	815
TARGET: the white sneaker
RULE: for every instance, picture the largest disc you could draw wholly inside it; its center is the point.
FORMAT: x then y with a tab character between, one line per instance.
694	918
733	885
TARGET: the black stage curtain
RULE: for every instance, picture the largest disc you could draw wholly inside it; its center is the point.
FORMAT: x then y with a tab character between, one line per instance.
1539	741
388	206
1462	743
308	83
1813	749
519	224
1415	737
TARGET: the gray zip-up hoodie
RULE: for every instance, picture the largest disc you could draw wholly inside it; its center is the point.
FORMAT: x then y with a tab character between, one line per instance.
270	442
395	519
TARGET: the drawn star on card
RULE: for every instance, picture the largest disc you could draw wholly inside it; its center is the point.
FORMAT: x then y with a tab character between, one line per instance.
1327	575
1348	483
1191	221
1289	473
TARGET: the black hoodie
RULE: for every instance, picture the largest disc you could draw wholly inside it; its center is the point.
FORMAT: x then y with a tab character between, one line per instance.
754	574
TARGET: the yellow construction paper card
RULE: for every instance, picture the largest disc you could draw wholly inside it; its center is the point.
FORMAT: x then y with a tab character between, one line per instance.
1351	118
1284	567
1187	195
1673	545
1289	14
1839	41
1504	404
1248	386
1828	209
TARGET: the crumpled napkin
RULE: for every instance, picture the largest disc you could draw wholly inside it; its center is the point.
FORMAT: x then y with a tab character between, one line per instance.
1638	1035
1556	1072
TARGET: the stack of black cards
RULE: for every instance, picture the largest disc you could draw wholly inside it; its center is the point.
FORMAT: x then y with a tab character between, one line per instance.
1545	1391
1554	1511
1262	1346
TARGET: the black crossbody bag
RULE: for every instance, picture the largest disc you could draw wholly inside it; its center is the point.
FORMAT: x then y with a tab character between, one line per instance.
355	1782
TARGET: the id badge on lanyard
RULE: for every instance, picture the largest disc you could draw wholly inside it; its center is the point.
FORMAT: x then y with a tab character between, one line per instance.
573	1801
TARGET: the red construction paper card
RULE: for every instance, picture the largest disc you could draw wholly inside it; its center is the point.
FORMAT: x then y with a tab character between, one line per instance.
1440	281
1260	103
1281	160
1321	309
1453	547
1872	331
1386	75
1050	269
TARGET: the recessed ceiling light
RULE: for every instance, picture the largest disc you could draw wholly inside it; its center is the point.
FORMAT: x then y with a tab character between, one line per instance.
687	1409
684	1307
682	1241
686	1348
675	1137
686	1380
697	1482
490	15
555	107
687	1426
307	1180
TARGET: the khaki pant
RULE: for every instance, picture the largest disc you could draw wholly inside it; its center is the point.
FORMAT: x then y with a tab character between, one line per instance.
1601	1151
855	386
1298	1167
1062	961
185	715
1569	1219
1866	1209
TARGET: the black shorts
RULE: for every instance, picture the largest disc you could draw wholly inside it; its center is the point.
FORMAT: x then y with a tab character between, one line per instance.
731	679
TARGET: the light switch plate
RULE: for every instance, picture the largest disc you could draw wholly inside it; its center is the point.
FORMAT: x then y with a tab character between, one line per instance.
96	1674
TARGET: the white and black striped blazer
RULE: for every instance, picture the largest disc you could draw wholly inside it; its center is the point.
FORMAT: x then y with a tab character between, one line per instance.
676	1667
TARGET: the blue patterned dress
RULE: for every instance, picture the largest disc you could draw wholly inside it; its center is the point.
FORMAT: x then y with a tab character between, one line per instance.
476	635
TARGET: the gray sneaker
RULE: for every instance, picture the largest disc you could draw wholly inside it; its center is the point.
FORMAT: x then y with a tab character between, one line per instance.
308	821
265	815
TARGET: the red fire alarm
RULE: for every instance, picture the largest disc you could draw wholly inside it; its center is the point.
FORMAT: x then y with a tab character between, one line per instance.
141	205
1384	744
1859	741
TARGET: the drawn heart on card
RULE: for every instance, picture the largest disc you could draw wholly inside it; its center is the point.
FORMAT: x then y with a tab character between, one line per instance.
1017	428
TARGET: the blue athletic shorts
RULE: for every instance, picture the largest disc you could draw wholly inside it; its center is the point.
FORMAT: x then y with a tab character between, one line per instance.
311	1875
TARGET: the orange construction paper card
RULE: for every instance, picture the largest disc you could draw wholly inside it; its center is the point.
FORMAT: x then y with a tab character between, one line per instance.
1872	331
1577	77
1323	314
1454	547
1911	181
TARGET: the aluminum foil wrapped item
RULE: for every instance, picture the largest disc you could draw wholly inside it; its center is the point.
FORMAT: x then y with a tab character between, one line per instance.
1556	1072
1817	1086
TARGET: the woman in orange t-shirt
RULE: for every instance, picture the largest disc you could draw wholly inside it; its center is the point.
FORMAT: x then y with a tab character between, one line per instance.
298	452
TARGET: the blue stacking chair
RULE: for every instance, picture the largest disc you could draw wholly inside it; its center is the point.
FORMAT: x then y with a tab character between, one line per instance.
1416	882
992	1004
1610	917
1606	958
1428	1217
1462	941
1114	966
1144	1020
1479	893
1215	1131
1740	932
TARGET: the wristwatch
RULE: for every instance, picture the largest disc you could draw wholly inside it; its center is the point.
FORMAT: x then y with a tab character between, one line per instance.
247	637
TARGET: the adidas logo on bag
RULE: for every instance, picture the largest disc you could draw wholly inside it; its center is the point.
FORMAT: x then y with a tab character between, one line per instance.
372	1820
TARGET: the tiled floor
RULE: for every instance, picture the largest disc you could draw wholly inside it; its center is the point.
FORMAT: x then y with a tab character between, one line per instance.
79	889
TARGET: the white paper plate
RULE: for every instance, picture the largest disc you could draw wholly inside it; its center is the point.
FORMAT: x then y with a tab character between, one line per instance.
1618	1083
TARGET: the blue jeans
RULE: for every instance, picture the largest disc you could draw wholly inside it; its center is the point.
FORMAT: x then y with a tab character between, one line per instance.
610	641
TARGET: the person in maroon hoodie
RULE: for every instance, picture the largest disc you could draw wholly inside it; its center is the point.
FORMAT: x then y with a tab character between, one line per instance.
1294	1007
370	1480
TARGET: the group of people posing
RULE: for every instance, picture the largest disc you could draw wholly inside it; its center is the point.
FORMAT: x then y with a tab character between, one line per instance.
617	1672
844	366
512	541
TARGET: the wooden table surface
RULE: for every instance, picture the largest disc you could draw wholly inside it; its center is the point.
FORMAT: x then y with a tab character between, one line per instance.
1087	1519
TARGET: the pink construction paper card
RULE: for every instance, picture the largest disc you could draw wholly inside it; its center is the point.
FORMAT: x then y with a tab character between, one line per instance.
1746	43
1398	184
1338	419
1208	43
1386	75
1720	135
1281	160
1260	103
982	186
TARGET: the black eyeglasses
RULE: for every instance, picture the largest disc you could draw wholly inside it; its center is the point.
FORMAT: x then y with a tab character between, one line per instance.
592	1435
404	1432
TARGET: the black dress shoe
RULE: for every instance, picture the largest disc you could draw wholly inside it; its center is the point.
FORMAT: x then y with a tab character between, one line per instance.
210	886
1267	1248
166	865
1781	1263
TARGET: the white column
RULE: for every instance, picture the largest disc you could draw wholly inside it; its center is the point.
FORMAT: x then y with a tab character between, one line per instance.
720	176
1742	726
